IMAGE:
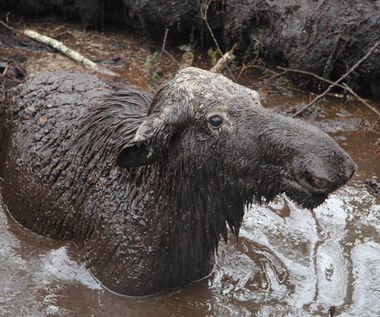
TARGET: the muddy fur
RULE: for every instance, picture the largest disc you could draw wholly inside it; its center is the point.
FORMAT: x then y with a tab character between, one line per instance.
154	221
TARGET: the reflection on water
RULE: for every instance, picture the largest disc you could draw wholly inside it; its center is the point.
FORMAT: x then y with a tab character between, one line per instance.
287	262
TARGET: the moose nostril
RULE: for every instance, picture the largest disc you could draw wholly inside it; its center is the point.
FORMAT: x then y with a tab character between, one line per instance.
320	183
315	181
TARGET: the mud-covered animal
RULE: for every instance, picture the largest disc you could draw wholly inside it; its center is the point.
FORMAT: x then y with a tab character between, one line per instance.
147	185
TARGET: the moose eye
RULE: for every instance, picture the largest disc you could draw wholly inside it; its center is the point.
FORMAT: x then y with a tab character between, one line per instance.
215	121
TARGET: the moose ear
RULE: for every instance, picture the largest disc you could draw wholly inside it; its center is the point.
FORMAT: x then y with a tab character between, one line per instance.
168	111
143	148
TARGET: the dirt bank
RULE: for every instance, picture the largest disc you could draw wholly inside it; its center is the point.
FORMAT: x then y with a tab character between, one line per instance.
324	37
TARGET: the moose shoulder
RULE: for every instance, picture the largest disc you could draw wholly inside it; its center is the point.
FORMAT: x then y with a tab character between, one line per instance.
190	158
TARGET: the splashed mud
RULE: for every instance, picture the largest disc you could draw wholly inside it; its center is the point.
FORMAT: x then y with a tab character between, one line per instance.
287	262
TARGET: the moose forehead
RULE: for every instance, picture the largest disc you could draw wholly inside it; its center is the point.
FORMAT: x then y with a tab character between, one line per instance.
210	90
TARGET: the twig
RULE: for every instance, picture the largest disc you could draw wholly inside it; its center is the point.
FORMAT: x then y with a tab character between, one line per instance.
171	57
335	95
337	81
163	49
164	41
5	70
204	15
344	86
246	66
361	99
74	55
7	26
305	72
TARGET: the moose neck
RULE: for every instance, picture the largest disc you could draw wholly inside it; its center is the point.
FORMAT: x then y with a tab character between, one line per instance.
200	207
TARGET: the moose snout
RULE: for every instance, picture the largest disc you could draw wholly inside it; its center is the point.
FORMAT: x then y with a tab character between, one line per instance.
327	175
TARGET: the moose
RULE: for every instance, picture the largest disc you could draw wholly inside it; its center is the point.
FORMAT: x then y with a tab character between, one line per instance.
145	184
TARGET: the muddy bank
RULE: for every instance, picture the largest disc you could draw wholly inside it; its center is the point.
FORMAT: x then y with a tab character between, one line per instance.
324	37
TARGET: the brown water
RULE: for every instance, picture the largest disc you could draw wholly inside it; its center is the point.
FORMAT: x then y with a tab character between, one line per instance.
288	261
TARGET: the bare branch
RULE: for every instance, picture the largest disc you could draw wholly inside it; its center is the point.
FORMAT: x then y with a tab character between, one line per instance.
361	99
316	99
344	86
7	26
74	55
204	14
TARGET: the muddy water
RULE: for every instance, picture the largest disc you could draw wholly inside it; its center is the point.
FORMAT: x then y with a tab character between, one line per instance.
287	262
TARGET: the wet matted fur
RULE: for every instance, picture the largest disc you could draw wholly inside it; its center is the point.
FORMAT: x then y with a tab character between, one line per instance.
147	185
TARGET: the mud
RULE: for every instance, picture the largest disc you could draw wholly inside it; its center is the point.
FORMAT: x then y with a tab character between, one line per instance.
288	262
307	35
